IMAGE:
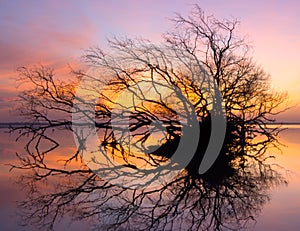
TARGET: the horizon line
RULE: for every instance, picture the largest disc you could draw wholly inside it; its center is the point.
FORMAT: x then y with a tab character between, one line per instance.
16	124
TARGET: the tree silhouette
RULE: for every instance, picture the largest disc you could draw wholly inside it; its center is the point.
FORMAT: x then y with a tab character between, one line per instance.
227	196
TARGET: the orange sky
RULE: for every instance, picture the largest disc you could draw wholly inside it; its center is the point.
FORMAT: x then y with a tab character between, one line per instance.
56	33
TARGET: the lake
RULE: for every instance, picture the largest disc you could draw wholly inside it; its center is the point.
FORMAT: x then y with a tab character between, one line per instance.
282	212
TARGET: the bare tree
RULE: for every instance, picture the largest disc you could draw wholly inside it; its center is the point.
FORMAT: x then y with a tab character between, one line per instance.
228	196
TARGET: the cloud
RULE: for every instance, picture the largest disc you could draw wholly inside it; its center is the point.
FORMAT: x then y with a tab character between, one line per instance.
41	34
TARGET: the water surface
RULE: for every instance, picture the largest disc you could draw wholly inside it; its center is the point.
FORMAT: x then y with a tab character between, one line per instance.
282	212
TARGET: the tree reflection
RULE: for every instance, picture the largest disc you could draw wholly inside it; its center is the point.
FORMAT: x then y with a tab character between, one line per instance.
226	197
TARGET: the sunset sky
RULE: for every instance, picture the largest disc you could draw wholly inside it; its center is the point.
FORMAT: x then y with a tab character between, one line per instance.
56	33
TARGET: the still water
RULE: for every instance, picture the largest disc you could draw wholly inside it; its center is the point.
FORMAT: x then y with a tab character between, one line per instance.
282	212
